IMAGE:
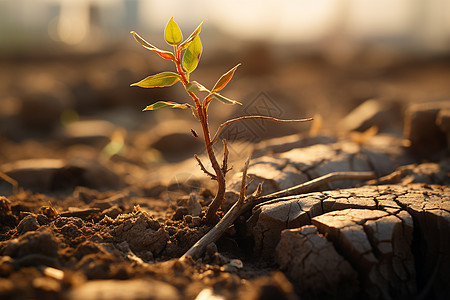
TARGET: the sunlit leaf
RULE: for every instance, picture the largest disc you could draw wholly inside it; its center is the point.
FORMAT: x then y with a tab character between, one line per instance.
192	55
222	82
158	80
172	33
166	104
147	45
195	87
224	99
141	41
186	43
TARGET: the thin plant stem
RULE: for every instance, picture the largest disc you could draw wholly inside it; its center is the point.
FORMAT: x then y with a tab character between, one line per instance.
245	118
203	117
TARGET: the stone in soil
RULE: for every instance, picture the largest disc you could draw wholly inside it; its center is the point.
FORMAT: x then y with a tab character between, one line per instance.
90	132
41	174
377	245
42	109
382	113
172	139
443	122
425	127
33	248
7	220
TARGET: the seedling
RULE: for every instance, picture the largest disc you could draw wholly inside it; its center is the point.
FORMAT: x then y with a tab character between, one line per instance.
186	55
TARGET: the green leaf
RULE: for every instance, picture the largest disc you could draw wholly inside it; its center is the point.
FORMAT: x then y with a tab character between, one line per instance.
147	45
195	87
158	80
166	104
223	81
186	43
172	33
192	55
224	99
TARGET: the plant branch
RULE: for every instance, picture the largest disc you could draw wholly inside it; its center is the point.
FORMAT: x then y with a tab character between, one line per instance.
243	182
308	186
225	157
213	177
245	118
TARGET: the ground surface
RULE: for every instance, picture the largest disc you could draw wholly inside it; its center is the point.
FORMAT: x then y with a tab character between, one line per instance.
108	198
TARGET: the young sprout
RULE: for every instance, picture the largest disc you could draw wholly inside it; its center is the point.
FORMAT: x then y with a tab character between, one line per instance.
186	55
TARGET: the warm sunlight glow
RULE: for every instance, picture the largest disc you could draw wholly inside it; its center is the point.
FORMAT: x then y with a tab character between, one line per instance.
419	25
73	23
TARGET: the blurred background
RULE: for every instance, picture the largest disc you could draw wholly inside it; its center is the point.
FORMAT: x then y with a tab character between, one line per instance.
51	26
66	67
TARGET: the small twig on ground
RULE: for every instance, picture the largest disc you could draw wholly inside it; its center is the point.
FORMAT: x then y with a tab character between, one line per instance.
308	186
245	118
82	213
11	181
394	177
242	206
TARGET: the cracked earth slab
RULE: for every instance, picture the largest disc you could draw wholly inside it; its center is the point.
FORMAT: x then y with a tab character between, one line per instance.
314	265
378	245
387	233
298	165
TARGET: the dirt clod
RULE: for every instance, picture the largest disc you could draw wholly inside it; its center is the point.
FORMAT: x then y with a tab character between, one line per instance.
314	265
29	223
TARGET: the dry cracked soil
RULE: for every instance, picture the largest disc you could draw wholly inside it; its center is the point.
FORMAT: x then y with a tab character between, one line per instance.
96	210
